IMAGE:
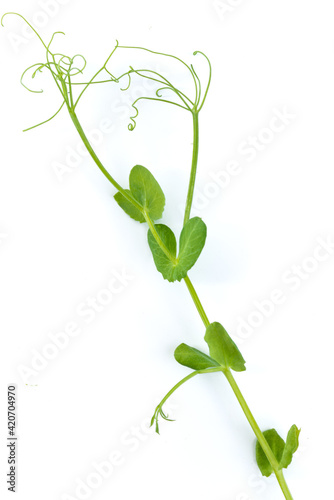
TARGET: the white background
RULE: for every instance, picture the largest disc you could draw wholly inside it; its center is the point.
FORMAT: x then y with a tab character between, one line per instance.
63	237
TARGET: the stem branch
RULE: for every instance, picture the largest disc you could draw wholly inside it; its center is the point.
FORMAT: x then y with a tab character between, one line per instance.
185	379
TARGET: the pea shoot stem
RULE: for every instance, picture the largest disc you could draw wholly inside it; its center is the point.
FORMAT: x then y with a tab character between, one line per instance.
193	166
245	408
257	431
97	160
228	374
185	379
196	301
282	482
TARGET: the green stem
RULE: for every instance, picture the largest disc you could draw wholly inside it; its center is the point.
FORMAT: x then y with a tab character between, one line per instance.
193	166
257	431
98	162
197	302
244	406
283	485
185	379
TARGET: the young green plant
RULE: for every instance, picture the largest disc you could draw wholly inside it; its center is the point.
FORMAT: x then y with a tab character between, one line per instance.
144	201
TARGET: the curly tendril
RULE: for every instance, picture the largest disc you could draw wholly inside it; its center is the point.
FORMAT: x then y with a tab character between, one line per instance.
129	83
209	78
64	69
194	105
132	125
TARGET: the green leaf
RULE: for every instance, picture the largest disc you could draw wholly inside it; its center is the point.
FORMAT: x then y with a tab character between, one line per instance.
163	264
276	444
192	240
128	208
147	192
290	447
193	358
222	348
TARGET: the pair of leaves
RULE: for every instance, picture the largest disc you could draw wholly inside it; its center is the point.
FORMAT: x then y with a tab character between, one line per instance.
191	243
146	191
282	450
223	352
